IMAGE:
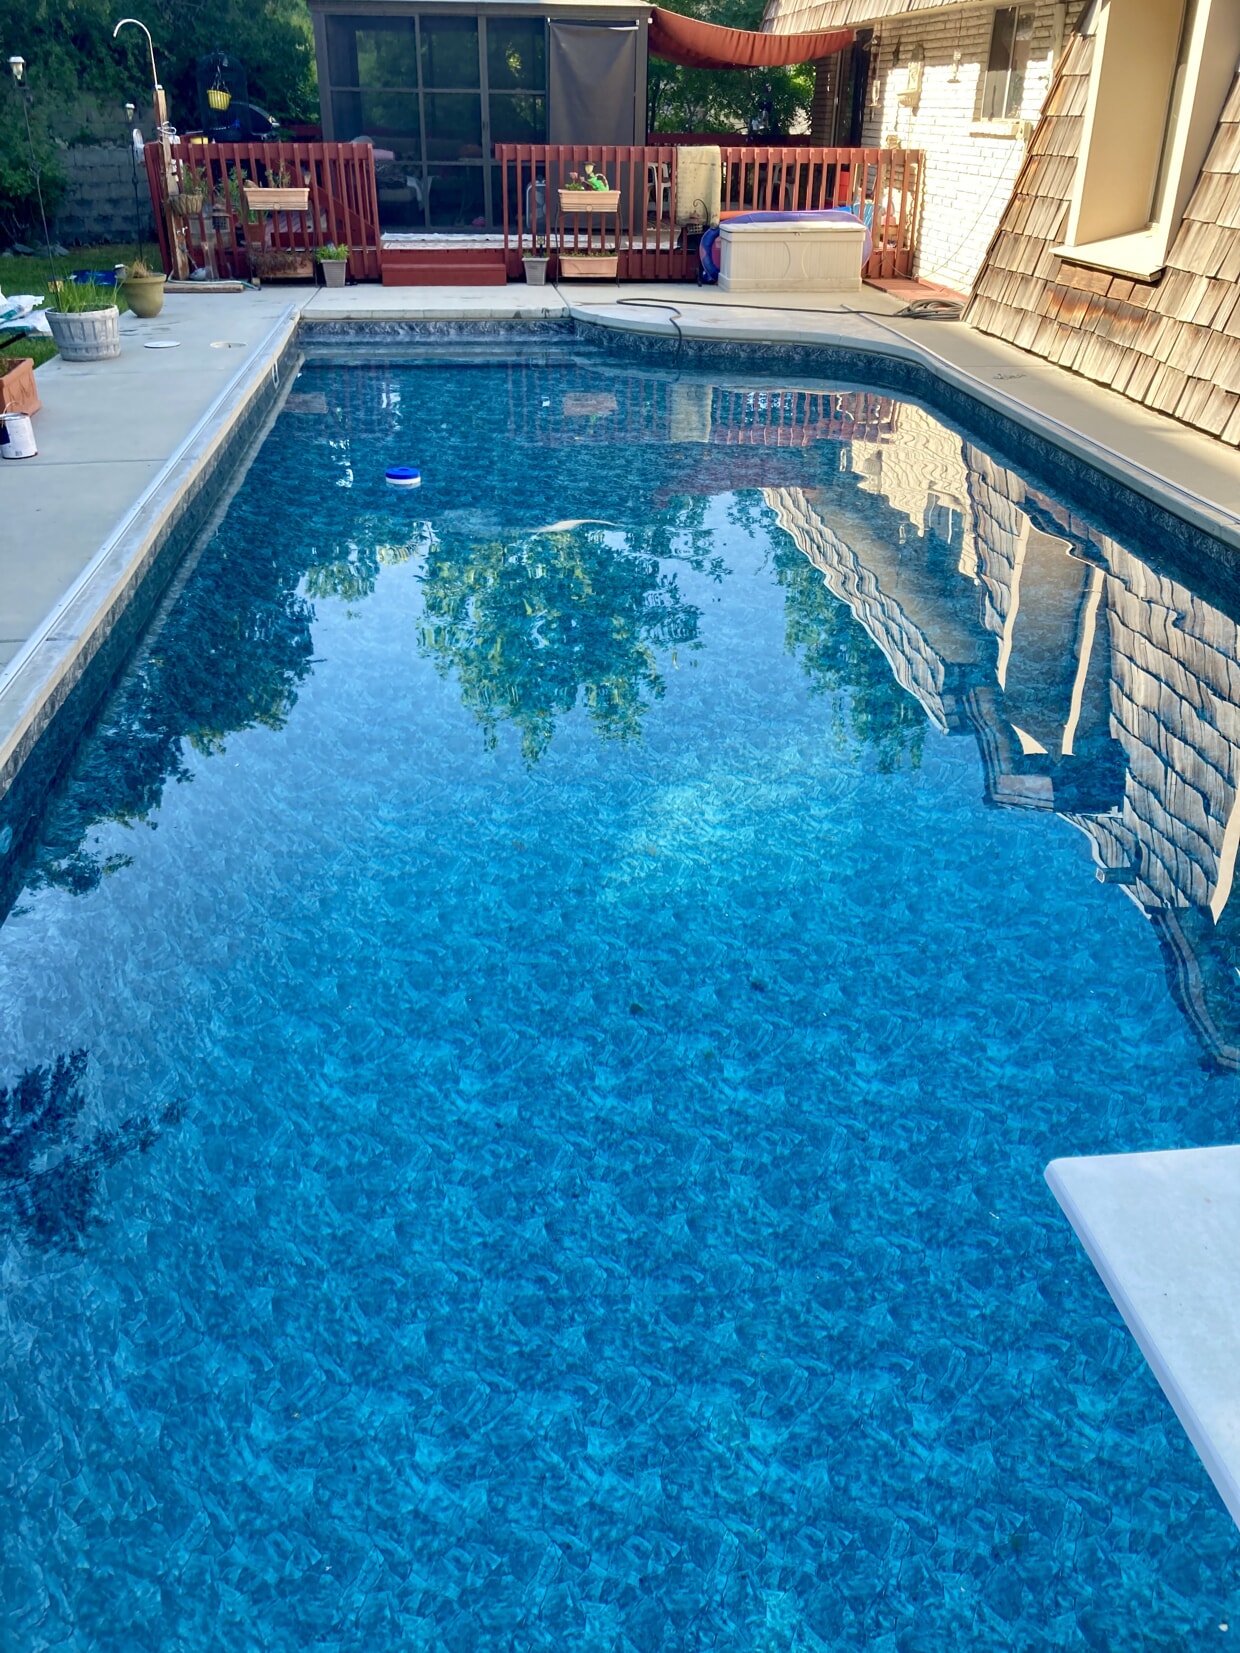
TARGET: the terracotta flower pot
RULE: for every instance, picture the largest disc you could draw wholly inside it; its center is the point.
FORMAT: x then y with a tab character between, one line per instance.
17	391
589	200
275	200
589	266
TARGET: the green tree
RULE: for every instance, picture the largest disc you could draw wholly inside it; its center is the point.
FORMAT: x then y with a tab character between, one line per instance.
74	66
725	100
19	205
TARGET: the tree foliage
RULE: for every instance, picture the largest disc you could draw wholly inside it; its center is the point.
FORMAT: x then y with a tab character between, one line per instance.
74	66
726	100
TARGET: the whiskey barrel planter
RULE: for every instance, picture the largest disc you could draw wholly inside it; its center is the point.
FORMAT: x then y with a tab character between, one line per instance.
86	335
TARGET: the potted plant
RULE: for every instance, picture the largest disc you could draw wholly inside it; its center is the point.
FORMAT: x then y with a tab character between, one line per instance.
85	322
143	289
277	195
333	261
588	191
536	264
192	187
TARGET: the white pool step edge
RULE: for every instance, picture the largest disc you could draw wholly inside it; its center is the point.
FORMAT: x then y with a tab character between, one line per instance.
1163	1231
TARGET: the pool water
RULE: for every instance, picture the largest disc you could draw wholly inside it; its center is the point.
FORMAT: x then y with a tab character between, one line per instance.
534	1025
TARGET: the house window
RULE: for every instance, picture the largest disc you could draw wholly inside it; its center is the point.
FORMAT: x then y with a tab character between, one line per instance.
1003	91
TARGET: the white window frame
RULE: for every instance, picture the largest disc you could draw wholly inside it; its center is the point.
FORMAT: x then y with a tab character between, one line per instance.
1022	15
1138	137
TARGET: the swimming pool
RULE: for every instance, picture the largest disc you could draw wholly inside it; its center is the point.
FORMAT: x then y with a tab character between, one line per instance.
534	1025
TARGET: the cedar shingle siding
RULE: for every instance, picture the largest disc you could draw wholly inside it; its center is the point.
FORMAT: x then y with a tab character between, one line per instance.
1173	344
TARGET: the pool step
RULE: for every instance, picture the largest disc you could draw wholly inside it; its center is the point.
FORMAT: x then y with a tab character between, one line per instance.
444	267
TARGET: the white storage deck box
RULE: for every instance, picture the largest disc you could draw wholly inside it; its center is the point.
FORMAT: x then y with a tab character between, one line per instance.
799	256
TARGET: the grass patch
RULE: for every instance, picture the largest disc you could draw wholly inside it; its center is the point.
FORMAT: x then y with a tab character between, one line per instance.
32	275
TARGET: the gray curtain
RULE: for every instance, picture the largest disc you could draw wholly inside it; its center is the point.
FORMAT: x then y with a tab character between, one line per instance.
593	84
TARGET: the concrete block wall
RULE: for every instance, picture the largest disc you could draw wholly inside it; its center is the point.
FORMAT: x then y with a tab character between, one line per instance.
971	165
98	204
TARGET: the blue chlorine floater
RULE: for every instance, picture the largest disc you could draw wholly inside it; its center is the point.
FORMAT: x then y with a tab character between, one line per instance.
403	476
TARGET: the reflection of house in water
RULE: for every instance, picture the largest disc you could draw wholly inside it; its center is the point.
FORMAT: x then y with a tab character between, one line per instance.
1095	687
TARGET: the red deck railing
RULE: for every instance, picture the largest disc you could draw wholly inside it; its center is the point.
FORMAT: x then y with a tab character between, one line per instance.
343	205
651	248
882	186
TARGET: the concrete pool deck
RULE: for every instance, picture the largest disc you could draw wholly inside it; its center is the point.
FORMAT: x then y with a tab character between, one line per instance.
123	442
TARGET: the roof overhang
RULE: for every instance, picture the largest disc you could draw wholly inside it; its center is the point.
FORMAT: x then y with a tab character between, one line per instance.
787	17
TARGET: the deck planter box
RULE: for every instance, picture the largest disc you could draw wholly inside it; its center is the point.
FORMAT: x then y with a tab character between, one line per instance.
281	264
17	390
589	266
589	200
275	200
86	335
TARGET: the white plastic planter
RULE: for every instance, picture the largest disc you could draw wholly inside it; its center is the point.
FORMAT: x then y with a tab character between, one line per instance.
88	335
334	271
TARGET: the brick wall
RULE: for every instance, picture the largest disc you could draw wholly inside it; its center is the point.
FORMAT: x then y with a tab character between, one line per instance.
969	176
99	204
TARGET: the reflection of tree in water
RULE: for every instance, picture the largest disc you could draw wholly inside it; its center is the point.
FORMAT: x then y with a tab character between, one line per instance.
353	572
838	655
229	656
50	1170
529	626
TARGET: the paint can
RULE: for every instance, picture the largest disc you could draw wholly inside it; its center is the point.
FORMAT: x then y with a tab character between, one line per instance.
17	436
